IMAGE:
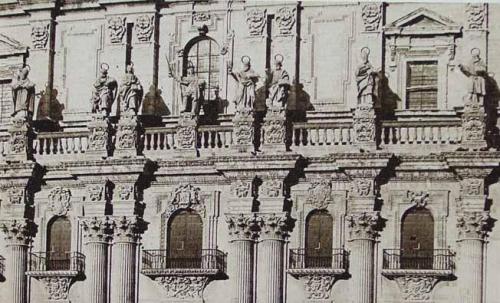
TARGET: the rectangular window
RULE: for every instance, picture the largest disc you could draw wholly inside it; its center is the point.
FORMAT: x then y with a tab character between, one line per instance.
6	105
421	85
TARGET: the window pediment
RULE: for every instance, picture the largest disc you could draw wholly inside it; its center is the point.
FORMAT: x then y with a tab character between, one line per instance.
423	22
10	47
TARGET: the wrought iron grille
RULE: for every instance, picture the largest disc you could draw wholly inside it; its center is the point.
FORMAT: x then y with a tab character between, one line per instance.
159	259
436	259
299	259
48	261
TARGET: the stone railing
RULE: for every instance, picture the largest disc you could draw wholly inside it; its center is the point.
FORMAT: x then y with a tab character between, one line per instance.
214	137
158	139
60	143
313	135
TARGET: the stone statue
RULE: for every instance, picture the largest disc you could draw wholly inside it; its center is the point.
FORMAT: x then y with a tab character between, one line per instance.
278	82
104	92
23	94
247	79
476	72
192	89
130	91
365	79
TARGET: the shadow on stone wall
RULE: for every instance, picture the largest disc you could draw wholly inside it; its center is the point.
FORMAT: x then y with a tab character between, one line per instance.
491	102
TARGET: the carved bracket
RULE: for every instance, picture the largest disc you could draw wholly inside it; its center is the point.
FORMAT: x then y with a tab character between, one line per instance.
57	287
416	288
184	287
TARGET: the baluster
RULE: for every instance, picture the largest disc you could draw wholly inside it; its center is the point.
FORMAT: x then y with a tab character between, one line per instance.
453	135
419	131
70	146
411	134
172	141
78	144
62	147
85	142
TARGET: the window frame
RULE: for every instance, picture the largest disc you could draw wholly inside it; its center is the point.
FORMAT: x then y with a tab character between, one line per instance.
421	88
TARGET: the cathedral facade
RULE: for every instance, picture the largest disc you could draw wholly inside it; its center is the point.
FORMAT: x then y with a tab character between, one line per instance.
249	151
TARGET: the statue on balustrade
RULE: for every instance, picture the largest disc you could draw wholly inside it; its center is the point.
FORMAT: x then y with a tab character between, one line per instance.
23	94
192	90
365	79
476	72
130	92
278	82
104	92
247	79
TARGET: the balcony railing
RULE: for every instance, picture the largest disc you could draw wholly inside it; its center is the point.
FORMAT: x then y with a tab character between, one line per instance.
437	259
47	261
433	132
214	137
299	259
158	260
60	143
2	265
322	134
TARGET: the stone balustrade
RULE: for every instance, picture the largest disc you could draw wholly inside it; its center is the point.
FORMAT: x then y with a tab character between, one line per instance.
215	137
159	139
60	143
313	135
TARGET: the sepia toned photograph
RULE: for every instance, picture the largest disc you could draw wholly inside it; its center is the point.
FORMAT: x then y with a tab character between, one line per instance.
249	151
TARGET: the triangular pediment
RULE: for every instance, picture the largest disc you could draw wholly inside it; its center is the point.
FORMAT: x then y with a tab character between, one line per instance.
422	21
10	47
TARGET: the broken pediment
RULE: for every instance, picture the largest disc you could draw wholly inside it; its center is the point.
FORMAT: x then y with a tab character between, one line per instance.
422	22
10	47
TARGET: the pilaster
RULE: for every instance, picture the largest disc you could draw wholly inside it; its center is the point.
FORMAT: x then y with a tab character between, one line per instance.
243	127
100	136
274	129
21	140
127	136
186	135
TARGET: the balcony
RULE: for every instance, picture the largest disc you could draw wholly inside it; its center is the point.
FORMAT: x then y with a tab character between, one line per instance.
70	264
437	262
303	264
156	262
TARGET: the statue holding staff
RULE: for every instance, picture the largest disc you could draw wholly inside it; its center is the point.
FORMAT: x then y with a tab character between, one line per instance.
476	72
104	92
278	82
247	79
365	79
23	94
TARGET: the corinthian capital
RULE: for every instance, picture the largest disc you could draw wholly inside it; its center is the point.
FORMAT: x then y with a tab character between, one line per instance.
97	229
363	225
18	231
473	224
242	227
274	226
128	229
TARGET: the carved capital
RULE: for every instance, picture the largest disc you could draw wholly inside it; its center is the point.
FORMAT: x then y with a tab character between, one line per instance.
363	225
184	287
18	231
57	286
97	229
128	229
242	227
274	227
474	224
416	288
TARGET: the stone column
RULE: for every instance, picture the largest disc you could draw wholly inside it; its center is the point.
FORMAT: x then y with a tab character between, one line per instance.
127	231
242	232
18	234
96	240
270	264
363	230
473	227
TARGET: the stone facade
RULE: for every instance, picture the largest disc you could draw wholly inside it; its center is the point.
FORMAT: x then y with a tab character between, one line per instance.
387	108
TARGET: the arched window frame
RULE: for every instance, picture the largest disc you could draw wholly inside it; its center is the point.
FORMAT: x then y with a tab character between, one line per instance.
306	225
407	212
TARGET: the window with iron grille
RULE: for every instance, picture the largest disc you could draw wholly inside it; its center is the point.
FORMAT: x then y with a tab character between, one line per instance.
421	85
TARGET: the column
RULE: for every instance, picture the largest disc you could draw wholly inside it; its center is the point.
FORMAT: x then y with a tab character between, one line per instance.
270	266
96	240
472	229
362	229
127	231
242	232
18	234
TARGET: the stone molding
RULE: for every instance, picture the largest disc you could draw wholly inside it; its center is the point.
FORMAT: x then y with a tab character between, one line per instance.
242	226
473	224
97	229
18	231
363	225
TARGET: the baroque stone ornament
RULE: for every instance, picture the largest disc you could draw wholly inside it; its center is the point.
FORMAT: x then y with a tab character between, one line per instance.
17	231
97	229
100	135
127	136
116	29
184	287
95	193
15	195
186	131
476	15
256	21
320	194
271	188
242	226
473	224
128	229
242	189
186	197
243	130
362	187
371	15
363	225
57	286
419	199
364	124
125	192
274	126
472	187
274	227
285	19
318	287
416	288
40	35
144	27
60	200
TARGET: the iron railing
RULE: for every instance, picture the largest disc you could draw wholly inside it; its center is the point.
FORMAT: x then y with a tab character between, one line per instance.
159	259
2	265
49	261
300	259
435	259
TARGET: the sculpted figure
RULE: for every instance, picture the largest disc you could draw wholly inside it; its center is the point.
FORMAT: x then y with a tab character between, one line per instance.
476	71
192	89
130	91
278	82
247	79
23	94
104	92
365	78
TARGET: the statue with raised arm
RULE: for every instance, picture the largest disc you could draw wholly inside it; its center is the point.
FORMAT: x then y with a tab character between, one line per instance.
130	91
192	90
365	79
247	79
476	72
278	82
23	94
104	92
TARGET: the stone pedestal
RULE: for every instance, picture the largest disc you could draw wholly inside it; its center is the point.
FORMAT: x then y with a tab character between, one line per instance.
473	125
243	128
96	240
18	234
364	124
363	231
274	130
186	135
127	135
21	140
100	136
127	231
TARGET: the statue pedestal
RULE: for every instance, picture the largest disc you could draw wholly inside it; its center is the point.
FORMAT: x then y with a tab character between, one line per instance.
243	128
21	140
127	133
364	124
473	126
274	130
100	136
186	135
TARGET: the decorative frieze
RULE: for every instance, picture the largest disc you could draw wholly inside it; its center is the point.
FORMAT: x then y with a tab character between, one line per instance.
320	194
59	201
416	288
256	21
371	15
144	27
363	225
476	16
40	35
18	231
285	20
116	28
473	224
97	229
242	227
183	287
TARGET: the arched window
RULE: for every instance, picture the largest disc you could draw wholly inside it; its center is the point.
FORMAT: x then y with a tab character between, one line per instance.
203	52
319	230
185	240
58	244
417	239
